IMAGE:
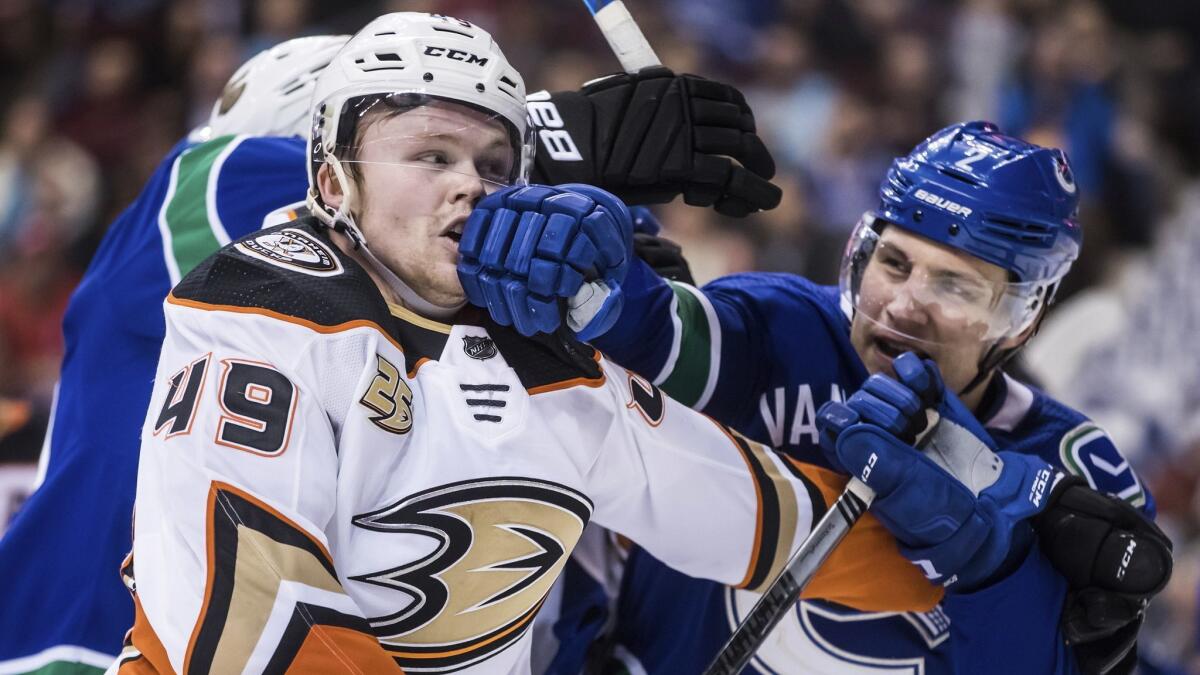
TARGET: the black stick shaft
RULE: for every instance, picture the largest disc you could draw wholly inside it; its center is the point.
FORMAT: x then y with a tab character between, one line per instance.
783	593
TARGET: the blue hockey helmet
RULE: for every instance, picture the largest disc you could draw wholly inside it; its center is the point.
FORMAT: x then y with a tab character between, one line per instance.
996	197
1000	199
977	191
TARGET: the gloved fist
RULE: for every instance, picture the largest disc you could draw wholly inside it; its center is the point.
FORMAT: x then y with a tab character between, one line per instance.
652	135
524	248
1114	559
957	508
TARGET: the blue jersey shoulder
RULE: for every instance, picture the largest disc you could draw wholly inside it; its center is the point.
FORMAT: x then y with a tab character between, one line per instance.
1070	440
200	197
259	176
785	350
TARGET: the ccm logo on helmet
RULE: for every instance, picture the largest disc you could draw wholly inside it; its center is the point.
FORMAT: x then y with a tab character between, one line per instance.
456	55
942	203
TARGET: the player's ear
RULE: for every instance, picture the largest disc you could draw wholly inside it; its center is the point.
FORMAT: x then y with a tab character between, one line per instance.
331	189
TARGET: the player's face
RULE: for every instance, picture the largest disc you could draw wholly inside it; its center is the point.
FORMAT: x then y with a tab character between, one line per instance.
918	295
421	173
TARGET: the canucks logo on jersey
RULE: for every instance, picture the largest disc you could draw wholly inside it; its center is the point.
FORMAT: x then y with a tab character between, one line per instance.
1087	451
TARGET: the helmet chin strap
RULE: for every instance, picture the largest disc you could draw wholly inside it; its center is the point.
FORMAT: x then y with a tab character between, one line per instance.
994	358
343	221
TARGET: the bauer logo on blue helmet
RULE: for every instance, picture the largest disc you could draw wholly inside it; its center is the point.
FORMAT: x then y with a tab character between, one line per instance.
942	203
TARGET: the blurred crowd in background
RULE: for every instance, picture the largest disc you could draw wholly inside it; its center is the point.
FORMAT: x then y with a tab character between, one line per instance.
98	91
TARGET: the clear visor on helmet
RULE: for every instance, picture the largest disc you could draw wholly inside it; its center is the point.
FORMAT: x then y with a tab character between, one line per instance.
417	139
923	294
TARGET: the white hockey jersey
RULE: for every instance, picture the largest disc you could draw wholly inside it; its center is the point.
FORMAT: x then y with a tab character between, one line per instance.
331	484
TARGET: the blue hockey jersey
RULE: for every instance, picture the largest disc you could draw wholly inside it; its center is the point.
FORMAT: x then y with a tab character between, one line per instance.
761	353
65	608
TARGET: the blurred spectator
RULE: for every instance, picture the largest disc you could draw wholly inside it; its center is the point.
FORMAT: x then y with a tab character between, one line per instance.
793	100
275	21
846	171
983	44
217	56
1062	96
105	118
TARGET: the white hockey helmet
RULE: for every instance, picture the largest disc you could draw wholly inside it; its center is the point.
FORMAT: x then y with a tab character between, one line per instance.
271	94
404	57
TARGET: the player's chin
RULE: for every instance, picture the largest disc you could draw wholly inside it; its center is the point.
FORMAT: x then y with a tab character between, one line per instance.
449	242
447	287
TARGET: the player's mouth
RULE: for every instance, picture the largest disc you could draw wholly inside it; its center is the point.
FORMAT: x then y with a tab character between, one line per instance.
455	230
890	347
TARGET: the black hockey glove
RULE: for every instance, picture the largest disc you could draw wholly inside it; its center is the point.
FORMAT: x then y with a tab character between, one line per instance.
1114	559
650	136
664	256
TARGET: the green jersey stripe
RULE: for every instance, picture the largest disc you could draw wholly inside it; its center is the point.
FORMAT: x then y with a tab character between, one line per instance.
60	660
186	209
691	377
676	338
67	668
164	230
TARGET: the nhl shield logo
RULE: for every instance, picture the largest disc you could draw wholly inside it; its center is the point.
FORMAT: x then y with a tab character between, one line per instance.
479	347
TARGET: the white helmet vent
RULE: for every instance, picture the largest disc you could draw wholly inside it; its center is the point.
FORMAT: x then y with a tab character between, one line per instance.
447	29
510	87
377	61
292	86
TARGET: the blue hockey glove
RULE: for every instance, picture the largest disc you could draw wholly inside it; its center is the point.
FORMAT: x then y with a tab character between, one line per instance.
959	511
523	248
644	221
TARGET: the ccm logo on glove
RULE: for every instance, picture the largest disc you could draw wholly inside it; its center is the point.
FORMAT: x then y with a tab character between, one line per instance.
866	472
1126	558
1038	490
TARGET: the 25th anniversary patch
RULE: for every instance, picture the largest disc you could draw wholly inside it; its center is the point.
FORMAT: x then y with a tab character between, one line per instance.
294	250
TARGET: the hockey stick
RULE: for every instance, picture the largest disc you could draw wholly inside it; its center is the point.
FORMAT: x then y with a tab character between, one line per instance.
623	34
947	445
634	53
784	592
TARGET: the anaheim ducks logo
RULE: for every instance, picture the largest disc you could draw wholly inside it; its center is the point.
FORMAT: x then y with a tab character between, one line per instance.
499	545
292	249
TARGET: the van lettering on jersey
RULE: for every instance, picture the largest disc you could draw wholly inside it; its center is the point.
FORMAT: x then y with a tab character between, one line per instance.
803	419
